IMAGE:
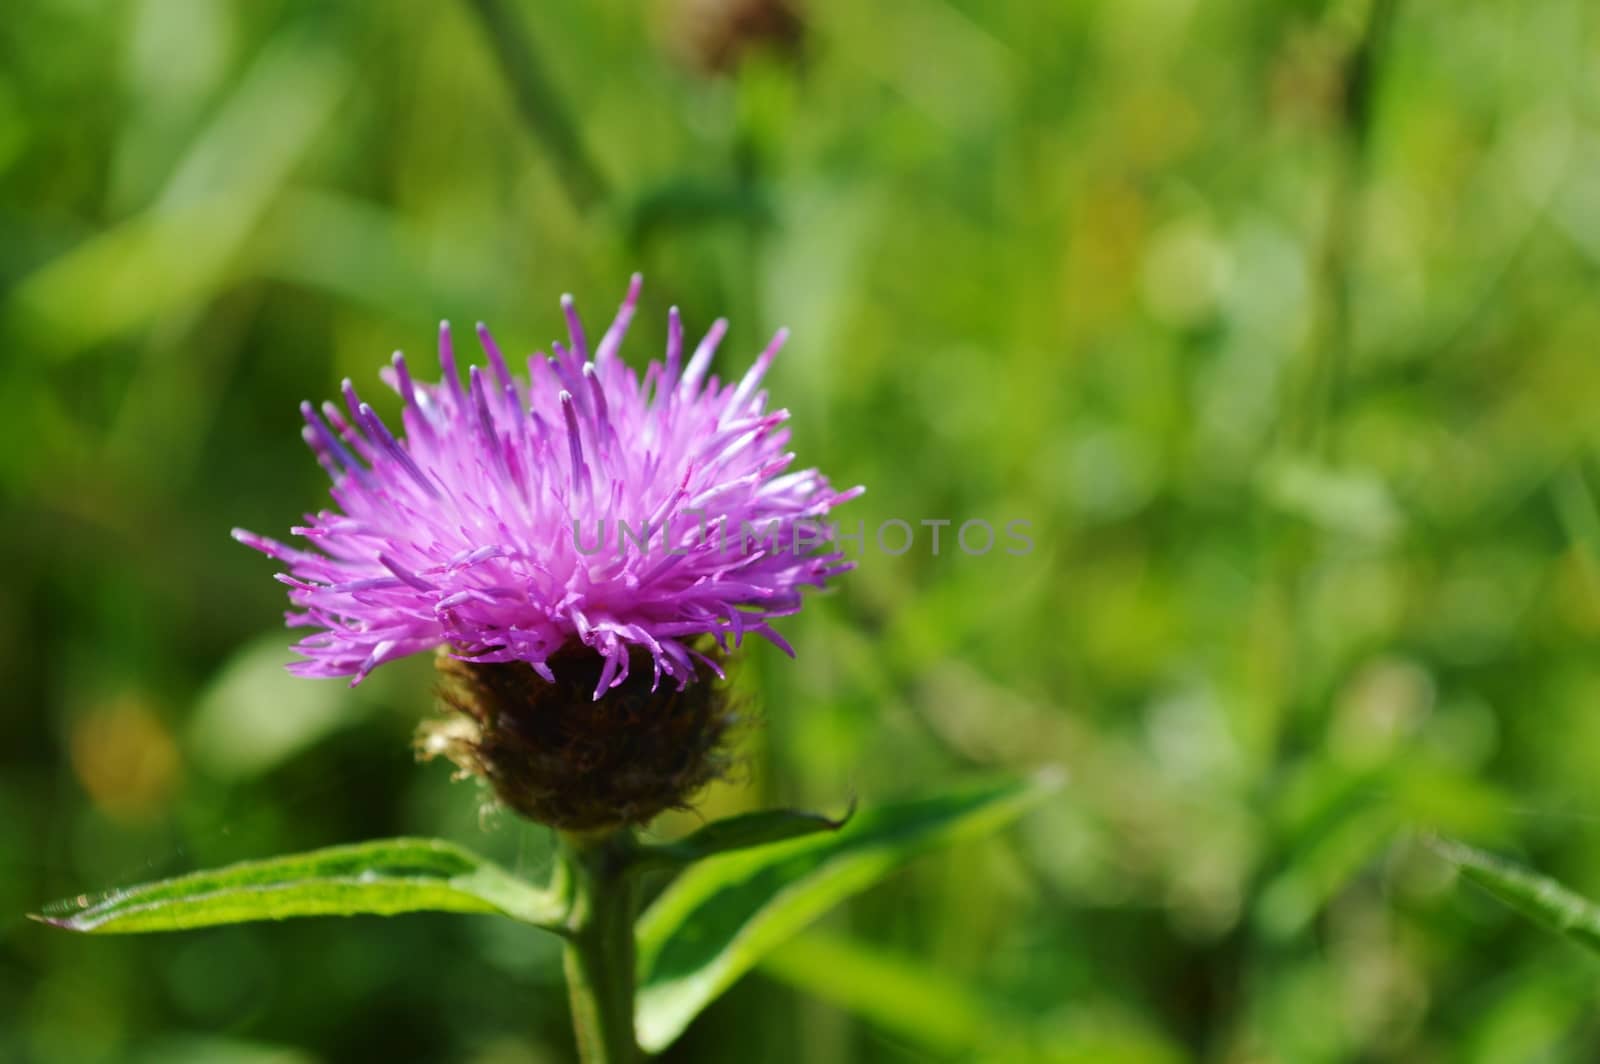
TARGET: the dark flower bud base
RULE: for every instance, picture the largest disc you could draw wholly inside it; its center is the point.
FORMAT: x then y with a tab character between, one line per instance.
554	753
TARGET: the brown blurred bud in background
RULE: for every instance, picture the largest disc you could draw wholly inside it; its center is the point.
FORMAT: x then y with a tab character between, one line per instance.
715	36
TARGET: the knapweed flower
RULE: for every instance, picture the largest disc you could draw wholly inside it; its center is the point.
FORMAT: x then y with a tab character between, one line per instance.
575	535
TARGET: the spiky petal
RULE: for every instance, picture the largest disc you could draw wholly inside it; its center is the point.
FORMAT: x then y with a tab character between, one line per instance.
477	528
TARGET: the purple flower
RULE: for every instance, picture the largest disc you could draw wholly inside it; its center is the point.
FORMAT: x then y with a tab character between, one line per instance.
477	529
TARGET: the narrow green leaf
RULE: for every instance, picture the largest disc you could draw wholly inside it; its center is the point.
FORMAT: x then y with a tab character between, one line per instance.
374	878
726	912
742	832
1534	895
953	1020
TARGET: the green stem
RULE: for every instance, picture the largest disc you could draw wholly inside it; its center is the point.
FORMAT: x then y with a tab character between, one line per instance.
1331	325
540	104
599	953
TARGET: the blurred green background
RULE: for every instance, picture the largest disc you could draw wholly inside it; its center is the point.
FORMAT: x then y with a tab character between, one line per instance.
1276	320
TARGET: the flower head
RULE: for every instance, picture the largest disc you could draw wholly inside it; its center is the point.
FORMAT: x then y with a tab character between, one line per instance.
492	526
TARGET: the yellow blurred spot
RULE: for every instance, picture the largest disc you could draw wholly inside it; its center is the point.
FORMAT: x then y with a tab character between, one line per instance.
126	759
1108	230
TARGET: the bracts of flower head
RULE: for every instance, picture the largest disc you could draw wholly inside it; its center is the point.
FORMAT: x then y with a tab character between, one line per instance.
462	533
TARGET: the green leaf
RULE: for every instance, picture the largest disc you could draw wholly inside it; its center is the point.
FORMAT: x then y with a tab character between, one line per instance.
742	832
255	715
370	878
1534	895
725	913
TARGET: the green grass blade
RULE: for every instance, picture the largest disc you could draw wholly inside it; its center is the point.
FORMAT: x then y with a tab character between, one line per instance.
1534	895
950	1019
371	878
897	994
726	912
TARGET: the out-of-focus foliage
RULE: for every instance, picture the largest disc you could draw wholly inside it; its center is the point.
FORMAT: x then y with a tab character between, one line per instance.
1277	321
